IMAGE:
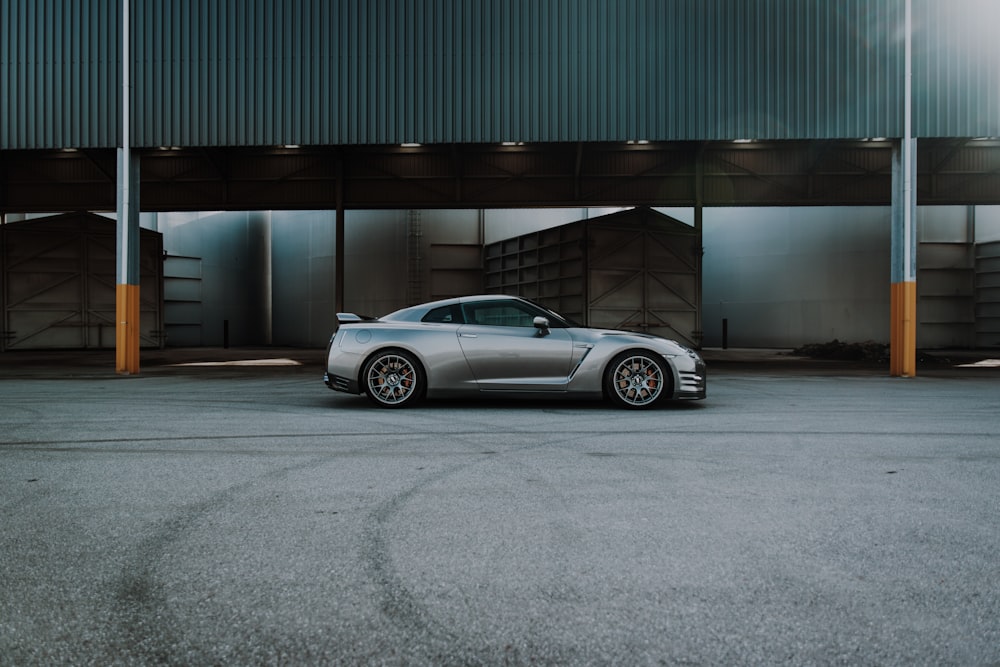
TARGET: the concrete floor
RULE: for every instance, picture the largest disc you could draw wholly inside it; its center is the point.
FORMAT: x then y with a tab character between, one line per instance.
805	513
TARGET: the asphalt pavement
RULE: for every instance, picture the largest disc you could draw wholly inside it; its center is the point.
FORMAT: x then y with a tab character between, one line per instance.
224	507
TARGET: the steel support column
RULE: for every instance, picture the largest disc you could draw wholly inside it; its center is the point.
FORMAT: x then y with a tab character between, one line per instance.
903	298
127	287
339	235
699	218
903	330
127	253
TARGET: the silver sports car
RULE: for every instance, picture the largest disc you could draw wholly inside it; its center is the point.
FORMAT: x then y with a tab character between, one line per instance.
503	344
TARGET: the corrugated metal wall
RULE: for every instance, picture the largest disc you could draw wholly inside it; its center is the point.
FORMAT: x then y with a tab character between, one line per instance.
270	72
261	72
956	68
59	73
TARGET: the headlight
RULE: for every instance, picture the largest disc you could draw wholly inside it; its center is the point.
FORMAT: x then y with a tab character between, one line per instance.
688	351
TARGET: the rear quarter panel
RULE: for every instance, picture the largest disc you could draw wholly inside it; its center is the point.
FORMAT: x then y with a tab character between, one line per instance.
434	345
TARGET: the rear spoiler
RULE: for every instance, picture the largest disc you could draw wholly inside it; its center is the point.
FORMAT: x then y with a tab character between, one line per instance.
350	318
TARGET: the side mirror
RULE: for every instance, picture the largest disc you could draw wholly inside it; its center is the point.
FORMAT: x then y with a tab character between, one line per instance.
542	324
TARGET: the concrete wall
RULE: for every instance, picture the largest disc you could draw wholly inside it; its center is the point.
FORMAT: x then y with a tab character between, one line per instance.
235	253
388	264
388	254
303	284
987	224
782	277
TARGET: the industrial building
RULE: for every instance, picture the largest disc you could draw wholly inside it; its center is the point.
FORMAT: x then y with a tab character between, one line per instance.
837	164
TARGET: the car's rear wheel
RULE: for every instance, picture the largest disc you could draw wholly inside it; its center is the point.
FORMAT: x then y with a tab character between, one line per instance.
393	379
637	379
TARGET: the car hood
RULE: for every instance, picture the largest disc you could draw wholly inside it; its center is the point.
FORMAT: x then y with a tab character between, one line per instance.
643	338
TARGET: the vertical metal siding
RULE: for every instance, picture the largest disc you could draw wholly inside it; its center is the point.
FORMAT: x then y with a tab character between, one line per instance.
393	71
270	72
956	68
58	73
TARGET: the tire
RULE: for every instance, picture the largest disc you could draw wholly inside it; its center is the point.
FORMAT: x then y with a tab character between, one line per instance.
393	379
637	380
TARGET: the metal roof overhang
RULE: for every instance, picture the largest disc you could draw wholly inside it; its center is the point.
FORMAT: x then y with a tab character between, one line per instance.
755	173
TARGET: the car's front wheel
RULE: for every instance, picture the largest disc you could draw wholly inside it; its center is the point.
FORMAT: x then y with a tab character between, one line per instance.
393	379
637	379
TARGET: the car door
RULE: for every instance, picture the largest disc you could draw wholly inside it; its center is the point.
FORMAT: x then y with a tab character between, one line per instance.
506	351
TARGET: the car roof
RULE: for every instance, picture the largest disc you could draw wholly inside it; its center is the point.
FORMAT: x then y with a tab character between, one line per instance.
402	313
472	298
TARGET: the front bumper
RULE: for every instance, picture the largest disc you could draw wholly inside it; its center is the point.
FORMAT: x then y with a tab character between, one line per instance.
693	384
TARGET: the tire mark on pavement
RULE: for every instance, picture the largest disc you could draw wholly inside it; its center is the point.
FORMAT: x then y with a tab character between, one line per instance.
145	624
428	637
396	602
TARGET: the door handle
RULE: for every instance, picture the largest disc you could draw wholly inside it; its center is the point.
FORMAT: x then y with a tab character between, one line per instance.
463	335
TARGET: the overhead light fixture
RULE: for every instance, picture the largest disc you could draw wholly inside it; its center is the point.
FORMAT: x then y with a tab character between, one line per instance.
742	141
410	144
511	143
291	146
637	142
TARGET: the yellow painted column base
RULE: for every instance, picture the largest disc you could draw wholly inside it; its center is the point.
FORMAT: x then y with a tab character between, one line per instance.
903	332
127	329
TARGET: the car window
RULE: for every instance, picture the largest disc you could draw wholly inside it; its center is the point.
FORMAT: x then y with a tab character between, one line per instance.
500	314
444	314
